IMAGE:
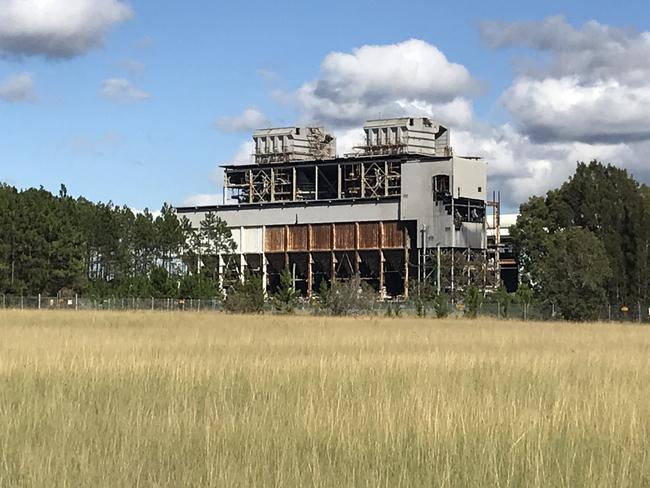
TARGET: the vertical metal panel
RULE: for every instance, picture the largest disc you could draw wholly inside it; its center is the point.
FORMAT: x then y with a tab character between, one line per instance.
298	238
344	236
321	237
368	235
393	235
251	240
274	239
236	237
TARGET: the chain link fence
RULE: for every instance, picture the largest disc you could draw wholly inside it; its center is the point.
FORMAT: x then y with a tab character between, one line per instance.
637	313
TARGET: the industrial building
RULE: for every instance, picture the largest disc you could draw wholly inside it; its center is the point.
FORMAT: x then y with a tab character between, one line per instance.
385	212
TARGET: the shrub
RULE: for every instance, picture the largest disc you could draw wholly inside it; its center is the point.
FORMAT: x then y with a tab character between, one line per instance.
346	297
246	296
286	297
441	306
473	301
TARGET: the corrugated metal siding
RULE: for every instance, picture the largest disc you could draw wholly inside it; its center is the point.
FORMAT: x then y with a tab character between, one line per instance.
345	237
369	235
393	235
298	238
345	234
321	237
274	239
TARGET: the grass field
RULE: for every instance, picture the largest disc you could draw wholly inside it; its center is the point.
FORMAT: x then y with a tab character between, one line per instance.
154	399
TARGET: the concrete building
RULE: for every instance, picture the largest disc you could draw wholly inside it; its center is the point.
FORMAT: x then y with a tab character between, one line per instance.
382	213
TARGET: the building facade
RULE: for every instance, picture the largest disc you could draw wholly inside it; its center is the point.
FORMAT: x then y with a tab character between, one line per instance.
379	213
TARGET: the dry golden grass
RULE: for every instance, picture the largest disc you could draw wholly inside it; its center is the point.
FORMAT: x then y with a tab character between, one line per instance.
155	399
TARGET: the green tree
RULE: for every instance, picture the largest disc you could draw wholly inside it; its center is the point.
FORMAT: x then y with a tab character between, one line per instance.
246	296
575	274
285	298
605	201
503	299
525	297
442	305
473	301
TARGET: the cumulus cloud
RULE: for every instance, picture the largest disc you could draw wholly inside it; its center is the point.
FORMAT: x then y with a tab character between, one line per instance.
122	91
250	119
590	84
594	51
567	109
411	77
57	28
17	88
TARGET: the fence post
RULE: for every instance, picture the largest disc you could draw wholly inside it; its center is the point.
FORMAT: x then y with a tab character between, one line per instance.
22	302
3	301
76	301
609	311
152	303
39	301
639	304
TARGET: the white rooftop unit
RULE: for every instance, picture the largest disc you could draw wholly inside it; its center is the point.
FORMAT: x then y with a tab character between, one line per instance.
286	144
406	135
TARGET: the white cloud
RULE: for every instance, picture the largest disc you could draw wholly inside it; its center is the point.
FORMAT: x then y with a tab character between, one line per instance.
565	109
202	199
250	119
17	88
520	167
121	90
57	28
589	85
594	51
382	81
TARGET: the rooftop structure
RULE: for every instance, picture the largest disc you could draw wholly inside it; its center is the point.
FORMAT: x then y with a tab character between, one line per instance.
286	144
406	135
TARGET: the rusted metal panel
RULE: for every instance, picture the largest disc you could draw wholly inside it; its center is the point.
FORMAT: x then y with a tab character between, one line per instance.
321	238
368	235
393	236
274	239
345	236
298	238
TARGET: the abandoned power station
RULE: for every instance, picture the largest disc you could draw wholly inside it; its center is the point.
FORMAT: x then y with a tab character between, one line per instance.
384	212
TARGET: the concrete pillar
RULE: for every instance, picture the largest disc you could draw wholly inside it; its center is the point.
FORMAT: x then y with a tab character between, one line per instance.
265	283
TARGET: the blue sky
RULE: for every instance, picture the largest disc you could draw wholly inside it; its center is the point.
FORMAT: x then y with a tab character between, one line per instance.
139	102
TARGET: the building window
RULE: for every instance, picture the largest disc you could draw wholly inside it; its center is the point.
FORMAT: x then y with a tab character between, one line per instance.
480	189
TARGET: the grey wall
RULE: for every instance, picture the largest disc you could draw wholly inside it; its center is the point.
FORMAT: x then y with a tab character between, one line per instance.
314	213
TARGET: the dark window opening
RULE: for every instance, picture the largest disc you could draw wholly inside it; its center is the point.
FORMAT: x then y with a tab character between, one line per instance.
441	187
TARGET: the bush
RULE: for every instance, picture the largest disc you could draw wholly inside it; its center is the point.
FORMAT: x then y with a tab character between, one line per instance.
503	299
422	295
346	297
246	296
473	301
441	306
286	297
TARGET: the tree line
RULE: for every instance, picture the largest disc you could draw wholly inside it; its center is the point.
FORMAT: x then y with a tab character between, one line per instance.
56	244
